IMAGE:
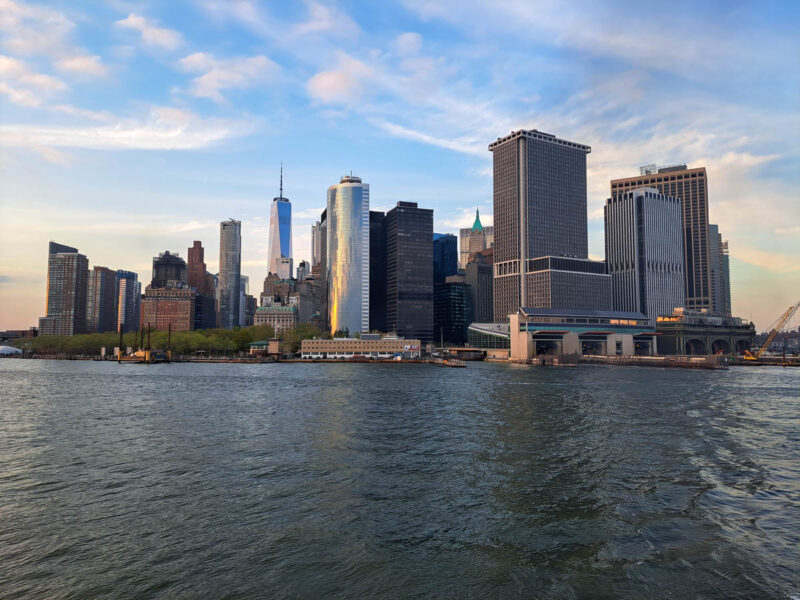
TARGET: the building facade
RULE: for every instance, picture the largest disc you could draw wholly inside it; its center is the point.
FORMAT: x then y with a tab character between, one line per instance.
539	212
168	267
197	274
347	257
377	271
129	298
691	186
479	277
280	235
409	271
316	244
700	333
280	318
445	256
452	311
368	346
230	264
169	307
303	270
67	288
101	300
644	251
720	272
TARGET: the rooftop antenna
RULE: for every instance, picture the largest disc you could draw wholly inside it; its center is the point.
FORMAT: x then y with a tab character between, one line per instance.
281	194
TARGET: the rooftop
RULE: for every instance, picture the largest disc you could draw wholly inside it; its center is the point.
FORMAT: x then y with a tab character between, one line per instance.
539	135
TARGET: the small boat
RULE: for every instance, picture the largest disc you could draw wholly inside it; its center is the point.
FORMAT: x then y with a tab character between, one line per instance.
449	362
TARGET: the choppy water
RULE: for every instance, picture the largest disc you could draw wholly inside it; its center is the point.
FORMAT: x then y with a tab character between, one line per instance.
392	481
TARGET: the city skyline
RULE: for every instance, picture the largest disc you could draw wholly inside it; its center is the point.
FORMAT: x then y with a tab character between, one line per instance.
184	158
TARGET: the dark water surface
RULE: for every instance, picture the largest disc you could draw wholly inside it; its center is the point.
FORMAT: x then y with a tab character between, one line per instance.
397	481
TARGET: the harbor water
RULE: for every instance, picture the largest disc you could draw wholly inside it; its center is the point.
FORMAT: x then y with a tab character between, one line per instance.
397	481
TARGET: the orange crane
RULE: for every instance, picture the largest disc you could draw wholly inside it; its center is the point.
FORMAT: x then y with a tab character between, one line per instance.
782	320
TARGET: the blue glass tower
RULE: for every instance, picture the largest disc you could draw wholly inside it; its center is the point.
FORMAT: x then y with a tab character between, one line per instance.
280	235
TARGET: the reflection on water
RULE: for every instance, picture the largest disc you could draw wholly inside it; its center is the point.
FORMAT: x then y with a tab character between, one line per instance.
397	481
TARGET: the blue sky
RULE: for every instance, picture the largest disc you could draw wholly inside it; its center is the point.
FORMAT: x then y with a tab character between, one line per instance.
129	128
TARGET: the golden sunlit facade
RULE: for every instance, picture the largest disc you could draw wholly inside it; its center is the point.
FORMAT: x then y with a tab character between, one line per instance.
348	255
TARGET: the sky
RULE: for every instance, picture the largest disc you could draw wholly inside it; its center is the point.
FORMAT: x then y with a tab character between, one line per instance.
129	128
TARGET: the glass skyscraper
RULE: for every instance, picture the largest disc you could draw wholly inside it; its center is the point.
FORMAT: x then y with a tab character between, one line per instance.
348	256
129	298
230	264
280	236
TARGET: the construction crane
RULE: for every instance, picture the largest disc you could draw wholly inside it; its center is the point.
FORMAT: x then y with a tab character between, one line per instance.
782	320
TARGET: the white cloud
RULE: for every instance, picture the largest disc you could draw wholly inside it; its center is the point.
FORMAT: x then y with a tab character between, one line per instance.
82	65
324	18
152	35
230	73
342	85
165	128
408	43
24	87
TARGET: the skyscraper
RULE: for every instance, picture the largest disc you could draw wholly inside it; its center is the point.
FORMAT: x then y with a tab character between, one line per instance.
168	267
445	256
230	264
348	255
303	270
280	235
691	186
409	271
67	275
720	273
101	300
644	252
198	275
479	278
316	244
129	295
377	271
541	249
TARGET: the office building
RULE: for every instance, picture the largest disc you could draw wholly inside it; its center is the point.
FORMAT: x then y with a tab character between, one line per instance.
244	294
479	277
720	272
316	244
474	239
303	270
348	256
322	269
377	271
691	187
644	251
541	251
172	306
198	276
128	303
409	271
168	267
101	300
67	287
280	318
230	264
280	235
452	311
445	256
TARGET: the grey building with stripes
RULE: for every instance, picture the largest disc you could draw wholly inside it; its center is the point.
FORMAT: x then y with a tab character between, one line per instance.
644	251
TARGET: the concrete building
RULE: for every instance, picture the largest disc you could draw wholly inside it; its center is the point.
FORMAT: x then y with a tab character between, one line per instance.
168	267
347	256
553	332
316	244
452	310
377	271
409	271
101	300
445	256
280	235
479	277
541	249
230	265
280	318
699	332
474	239
720	272
691	186
198	276
323	271
369	345
303	270
128	303
67	288
644	251
173	306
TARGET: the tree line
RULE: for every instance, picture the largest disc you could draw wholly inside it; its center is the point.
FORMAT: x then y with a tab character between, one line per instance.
214	342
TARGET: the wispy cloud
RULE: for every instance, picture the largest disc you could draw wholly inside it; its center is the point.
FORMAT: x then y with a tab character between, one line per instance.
228	73
152	34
